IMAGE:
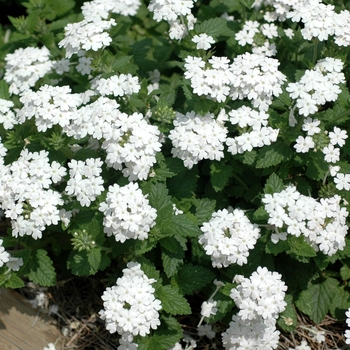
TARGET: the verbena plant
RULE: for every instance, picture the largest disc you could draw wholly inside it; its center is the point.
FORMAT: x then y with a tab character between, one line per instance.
192	148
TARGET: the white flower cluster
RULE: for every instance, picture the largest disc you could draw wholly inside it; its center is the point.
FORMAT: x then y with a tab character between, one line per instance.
117	85
7	117
25	196
85	181
256	77
347	332
321	21
134	142
86	35
228	237
251	28
197	137
175	12
130	307
50	105
259	135
22	74
260	299
322	223
127	213
317	86
4	255
252	76
101	8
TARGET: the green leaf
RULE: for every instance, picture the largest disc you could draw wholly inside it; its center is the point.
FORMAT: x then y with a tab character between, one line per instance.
11	280
317	300
193	277
204	209
260	214
299	247
171	244
247	3
183	226
172	261
273	184
317	167
42	271
340	302
345	272
94	258
248	158
120	62
288	319
4	90
214	27
273	155
172	301
276	248
220	175
160	200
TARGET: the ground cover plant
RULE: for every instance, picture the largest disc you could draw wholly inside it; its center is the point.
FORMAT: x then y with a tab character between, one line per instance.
190	155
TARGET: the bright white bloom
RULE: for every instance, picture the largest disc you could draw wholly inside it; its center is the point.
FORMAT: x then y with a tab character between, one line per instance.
228	237
85	181
100	9
317	335
261	295
170	10
7	117
317	86
250	334
124	84
338	136
50	105
246	34
22	74
322	223
50	346
331	153
209	308
304	144
203	41
311	126
342	181
127	213
25	195
206	330
14	264
129	307
86	35
4	255
197	137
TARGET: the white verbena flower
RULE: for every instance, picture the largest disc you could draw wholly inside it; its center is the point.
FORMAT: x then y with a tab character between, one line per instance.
127	213
129	307
207	331
203	41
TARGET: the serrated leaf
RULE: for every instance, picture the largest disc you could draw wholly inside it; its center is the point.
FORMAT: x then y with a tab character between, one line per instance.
13	281
273	155
120	63
248	158
172	301
204	209
214	27
276	248
288	319
298	246
94	258
260	214
247	3
42	271
340	303
224	305
184	183
181	225
220	175
161	201
274	184
172	262
317	167
345	272
171	244
318	299
194	277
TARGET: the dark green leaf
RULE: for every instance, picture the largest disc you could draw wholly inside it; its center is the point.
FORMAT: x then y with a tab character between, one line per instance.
288	319
172	301
273	184
183	226
220	175
172	261
273	155
214	27
42	271
194	277
204	209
